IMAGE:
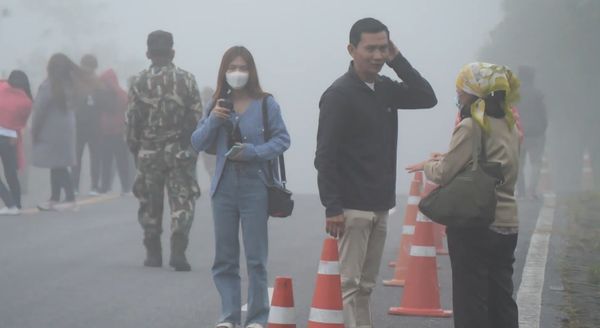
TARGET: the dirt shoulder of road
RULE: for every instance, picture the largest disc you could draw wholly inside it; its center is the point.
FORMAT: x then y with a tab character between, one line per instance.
580	265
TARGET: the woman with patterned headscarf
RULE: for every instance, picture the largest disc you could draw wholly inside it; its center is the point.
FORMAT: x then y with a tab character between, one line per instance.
482	258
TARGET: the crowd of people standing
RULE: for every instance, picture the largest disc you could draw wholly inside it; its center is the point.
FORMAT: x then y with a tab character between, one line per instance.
73	108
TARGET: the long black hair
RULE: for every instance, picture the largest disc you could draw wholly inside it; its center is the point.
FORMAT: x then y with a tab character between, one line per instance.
253	85
61	74
18	79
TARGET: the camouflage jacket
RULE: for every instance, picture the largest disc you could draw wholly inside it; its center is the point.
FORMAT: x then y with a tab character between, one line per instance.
164	107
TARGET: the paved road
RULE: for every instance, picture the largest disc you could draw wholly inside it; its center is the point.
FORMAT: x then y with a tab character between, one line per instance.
83	269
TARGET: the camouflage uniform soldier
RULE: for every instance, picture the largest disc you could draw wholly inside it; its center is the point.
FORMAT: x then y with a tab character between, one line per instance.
164	107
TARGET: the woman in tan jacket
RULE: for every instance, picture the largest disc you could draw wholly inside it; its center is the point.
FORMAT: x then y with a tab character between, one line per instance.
482	258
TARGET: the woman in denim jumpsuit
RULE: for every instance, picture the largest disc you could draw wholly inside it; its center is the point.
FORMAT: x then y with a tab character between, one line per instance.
239	185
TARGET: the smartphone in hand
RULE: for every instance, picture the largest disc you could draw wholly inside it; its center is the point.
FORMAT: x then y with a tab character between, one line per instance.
234	151
226	103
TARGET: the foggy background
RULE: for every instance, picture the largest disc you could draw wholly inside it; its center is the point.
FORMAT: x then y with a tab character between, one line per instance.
300	49
559	38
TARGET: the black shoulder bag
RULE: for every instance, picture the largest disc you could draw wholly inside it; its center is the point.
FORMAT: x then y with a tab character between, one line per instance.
281	203
469	200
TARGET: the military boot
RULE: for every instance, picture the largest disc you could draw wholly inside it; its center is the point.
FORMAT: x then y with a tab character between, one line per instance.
153	251
178	246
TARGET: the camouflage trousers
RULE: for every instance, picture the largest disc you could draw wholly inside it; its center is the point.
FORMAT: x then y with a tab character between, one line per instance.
160	168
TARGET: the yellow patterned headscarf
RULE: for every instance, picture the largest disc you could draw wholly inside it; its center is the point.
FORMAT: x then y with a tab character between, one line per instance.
481	79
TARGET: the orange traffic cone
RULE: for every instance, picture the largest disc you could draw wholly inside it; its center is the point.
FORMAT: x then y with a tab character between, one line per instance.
327	307
408	230
282	313
421	295
439	231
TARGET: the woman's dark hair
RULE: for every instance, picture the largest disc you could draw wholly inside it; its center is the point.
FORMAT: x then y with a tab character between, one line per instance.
61	73
18	79
494	105
366	25
253	85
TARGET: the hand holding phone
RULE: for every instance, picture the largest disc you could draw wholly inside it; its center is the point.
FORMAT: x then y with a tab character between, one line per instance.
222	112
235	151
226	103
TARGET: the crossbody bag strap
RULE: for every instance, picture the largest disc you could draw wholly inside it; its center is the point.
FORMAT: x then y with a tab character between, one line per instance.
483	151
479	153
476	144
267	135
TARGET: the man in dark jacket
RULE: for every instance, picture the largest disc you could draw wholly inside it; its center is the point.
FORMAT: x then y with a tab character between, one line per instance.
535	121
356	157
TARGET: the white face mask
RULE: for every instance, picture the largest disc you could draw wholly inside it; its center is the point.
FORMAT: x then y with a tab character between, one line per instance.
236	79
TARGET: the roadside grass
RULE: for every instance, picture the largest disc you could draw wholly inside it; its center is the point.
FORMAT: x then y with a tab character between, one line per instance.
580	265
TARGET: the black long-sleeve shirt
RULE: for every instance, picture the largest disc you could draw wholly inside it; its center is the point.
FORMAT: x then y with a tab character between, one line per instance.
357	137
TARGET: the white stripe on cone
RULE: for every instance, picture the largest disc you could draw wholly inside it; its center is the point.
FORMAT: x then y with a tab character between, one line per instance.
414	200
282	315
329	267
408	230
422	218
422	251
326	316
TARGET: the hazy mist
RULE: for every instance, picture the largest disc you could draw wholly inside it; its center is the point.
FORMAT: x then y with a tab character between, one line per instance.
299	46
559	38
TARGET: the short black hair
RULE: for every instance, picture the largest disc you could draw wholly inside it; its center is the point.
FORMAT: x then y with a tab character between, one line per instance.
366	25
18	79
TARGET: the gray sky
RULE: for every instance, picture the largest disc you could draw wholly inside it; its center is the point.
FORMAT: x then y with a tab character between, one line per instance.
299	47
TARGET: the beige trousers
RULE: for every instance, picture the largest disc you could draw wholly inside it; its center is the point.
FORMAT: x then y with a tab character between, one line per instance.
361	248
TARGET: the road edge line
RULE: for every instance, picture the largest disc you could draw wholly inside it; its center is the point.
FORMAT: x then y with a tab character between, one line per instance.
529	296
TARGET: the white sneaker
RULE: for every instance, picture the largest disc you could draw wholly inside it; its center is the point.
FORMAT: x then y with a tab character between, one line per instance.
66	206
10	211
254	325
93	193
226	325
47	206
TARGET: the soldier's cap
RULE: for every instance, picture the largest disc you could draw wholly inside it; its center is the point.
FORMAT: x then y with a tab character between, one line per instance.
160	42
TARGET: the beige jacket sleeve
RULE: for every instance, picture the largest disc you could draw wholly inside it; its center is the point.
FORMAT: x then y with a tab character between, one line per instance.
456	159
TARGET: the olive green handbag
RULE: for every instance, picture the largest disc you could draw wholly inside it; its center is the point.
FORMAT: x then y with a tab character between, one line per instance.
469	200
